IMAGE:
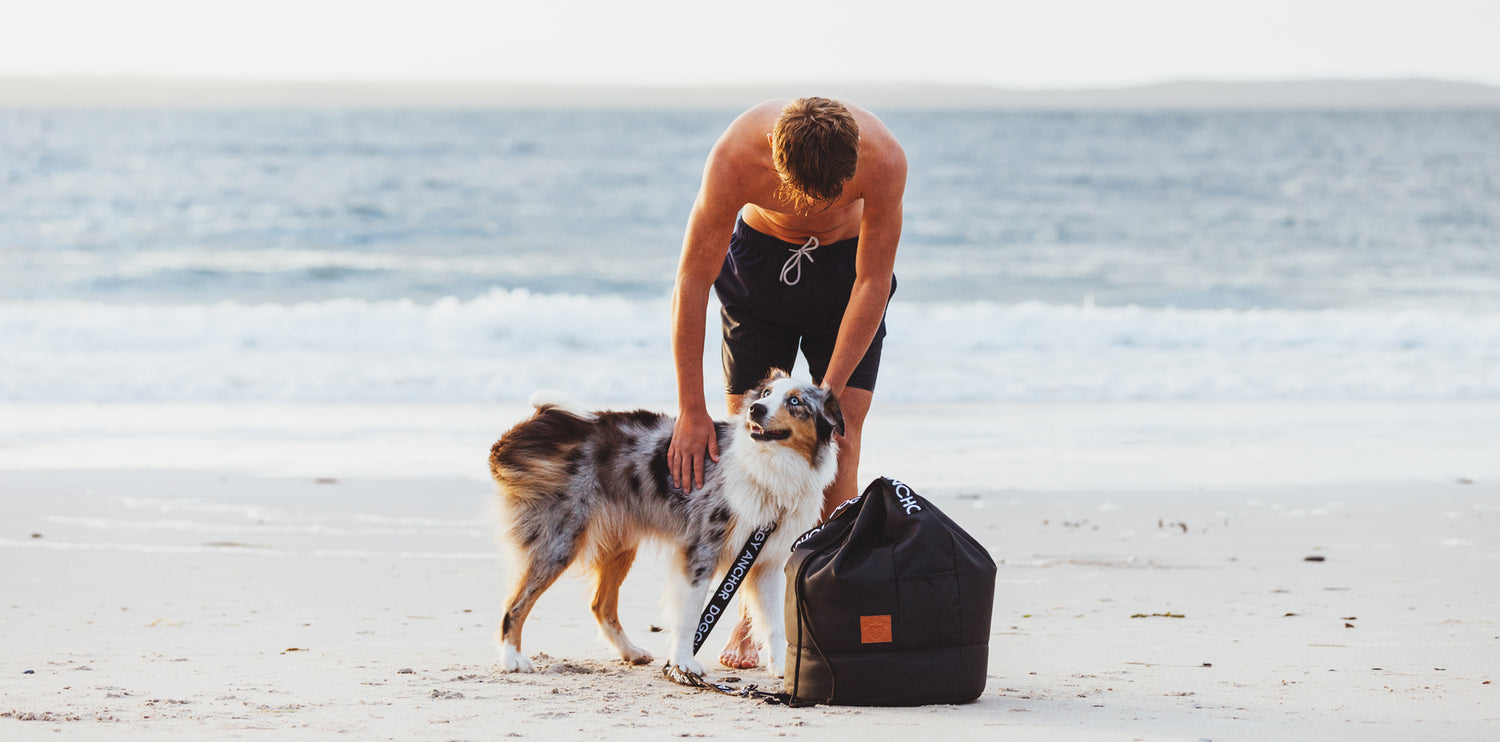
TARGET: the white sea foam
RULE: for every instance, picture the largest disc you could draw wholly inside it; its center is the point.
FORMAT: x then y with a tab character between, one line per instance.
502	346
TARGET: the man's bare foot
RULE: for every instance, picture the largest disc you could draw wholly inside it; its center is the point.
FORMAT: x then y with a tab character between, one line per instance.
740	652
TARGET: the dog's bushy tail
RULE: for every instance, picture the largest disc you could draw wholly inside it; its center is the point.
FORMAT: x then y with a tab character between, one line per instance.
543	400
530	459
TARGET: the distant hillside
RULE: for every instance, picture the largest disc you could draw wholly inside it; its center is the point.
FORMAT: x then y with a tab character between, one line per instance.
1200	95
1301	94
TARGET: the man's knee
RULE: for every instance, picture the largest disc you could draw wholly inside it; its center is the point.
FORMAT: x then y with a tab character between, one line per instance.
854	405
849	444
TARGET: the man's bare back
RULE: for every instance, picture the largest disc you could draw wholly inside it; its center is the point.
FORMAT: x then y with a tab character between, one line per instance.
745	151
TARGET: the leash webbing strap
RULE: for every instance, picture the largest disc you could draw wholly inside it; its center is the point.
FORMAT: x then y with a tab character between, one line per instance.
736	575
678	675
731	583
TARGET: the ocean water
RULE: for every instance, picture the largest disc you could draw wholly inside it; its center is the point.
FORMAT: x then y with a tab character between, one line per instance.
420	256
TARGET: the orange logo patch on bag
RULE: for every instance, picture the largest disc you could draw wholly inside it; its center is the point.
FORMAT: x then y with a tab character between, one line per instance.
874	629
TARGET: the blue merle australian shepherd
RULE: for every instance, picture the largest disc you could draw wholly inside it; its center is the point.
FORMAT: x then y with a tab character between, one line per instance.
589	487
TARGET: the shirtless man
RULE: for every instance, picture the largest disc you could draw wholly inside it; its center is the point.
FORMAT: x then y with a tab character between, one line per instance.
816	185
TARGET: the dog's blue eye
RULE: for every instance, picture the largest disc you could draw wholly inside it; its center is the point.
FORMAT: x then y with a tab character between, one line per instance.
765	394
793	401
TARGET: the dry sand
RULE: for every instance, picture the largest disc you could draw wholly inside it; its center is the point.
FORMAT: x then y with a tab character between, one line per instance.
141	603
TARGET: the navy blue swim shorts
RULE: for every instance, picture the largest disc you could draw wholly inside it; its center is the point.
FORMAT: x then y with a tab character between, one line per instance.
776	295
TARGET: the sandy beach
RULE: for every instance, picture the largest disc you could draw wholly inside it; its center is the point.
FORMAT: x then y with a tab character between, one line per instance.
1167	571
1203	347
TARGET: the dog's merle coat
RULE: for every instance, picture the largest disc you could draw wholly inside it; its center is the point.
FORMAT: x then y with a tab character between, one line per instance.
589	487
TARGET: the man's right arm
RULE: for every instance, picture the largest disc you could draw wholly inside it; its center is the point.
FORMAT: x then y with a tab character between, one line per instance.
703	249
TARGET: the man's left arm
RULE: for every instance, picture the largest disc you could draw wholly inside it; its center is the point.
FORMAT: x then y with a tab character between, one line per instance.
879	234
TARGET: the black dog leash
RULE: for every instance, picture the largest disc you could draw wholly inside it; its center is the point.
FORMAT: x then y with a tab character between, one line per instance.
732	580
749	691
738	571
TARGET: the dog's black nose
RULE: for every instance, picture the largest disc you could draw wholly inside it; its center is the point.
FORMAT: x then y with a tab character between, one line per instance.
757	411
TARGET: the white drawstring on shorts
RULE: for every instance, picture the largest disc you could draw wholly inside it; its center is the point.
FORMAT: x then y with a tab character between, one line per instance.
798	253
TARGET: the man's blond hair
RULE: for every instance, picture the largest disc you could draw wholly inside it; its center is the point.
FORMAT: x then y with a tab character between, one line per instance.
815	147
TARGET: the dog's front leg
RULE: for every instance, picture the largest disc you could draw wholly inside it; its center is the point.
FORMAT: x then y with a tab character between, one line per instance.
695	575
766	597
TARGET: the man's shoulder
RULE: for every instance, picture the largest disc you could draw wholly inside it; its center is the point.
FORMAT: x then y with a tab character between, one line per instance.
744	143
882	161
771	108
755	122
873	132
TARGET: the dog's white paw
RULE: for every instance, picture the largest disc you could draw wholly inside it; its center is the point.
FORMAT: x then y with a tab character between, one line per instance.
689	664
513	661
777	667
635	655
776	661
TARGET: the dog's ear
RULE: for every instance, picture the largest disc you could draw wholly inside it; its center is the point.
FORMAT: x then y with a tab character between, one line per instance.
830	414
748	398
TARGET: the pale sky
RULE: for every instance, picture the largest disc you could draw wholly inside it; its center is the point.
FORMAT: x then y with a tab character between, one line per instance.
1034	43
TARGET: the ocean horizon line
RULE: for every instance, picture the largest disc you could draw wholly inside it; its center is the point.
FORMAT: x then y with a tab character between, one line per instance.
91	92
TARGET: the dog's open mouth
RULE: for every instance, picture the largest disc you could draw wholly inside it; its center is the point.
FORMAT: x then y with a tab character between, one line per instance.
761	434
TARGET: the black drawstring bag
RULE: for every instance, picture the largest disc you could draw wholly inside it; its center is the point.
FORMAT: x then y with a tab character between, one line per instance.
888	604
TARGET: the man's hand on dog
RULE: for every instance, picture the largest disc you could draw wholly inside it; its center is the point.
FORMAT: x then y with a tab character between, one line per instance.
693	434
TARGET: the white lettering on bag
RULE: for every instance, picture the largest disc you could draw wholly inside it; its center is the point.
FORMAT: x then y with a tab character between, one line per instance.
807	536
843	505
907	499
836	511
